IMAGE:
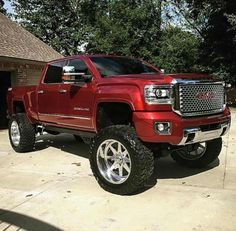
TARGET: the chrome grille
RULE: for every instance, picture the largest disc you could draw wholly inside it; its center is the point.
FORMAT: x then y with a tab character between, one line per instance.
201	99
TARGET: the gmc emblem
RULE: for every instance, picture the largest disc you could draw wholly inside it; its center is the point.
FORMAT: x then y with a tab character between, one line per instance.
205	95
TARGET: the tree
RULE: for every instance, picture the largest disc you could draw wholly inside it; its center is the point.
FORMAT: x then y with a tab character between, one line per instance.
2	10
55	22
218	47
126	26
133	28
180	13
107	26
178	51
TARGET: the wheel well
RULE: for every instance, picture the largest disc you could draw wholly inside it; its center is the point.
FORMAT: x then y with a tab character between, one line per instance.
18	107
113	114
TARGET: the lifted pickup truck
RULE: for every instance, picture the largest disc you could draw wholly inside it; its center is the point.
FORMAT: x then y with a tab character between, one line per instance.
128	110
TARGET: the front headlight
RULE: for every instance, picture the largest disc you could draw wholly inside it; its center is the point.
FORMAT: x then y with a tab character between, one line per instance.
157	94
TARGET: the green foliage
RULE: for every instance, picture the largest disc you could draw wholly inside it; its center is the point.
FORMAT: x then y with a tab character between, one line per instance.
55	22
232	20
218	47
178	51
102	26
126	26
2	10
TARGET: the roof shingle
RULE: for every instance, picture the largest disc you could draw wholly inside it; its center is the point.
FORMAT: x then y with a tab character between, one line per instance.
17	42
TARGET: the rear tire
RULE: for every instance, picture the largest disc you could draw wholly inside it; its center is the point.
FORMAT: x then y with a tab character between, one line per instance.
211	152
21	133
120	162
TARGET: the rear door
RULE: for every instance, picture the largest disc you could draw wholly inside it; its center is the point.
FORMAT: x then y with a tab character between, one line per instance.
48	94
76	100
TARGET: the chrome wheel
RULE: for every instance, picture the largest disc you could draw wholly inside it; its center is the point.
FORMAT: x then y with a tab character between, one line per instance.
113	161
193	152
15	133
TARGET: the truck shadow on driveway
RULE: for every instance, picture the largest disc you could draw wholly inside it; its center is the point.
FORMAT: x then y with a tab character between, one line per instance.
21	221
165	168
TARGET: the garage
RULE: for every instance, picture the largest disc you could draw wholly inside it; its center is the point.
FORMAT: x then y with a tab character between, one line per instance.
22	59
5	83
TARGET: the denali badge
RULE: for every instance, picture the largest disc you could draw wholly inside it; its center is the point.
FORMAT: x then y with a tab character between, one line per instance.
81	109
205	95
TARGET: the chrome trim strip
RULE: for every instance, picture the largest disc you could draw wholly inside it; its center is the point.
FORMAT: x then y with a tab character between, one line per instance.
66	116
197	81
79	126
56	125
200	136
201	113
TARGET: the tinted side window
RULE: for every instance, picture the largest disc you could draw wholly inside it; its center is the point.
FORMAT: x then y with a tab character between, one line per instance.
54	73
80	66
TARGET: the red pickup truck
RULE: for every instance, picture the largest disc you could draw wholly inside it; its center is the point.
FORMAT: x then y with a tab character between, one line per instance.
128	110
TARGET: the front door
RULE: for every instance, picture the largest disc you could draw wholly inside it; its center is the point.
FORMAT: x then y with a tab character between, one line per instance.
5	83
48	94
76	100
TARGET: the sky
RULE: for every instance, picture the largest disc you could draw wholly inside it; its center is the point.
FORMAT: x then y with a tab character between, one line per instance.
7	6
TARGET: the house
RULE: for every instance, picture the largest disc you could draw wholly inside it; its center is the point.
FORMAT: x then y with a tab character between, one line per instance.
22	58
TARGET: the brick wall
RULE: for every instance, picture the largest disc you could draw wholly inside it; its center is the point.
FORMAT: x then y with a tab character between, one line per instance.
23	72
33	76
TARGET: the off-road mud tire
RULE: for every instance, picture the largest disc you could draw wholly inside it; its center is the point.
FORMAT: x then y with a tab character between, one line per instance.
213	149
27	133
141	157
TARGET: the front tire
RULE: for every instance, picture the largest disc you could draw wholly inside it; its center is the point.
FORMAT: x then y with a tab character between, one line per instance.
120	162
201	155
21	133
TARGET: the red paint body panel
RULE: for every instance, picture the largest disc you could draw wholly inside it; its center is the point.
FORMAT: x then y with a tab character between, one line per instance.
27	95
76	104
75	107
144	125
48	105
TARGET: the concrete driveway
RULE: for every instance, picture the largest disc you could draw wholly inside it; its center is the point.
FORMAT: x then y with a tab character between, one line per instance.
53	189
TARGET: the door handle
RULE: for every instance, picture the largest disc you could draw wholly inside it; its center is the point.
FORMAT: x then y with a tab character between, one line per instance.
62	91
40	92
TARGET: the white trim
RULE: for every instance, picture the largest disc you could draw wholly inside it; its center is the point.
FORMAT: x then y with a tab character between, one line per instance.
64	116
72	125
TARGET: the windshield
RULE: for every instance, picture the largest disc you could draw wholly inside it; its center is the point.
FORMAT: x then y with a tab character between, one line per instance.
112	66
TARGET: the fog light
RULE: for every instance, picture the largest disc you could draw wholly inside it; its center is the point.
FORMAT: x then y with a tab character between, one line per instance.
163	128
160	127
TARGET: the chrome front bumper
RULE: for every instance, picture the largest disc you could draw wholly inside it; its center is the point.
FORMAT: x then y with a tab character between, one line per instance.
197	135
